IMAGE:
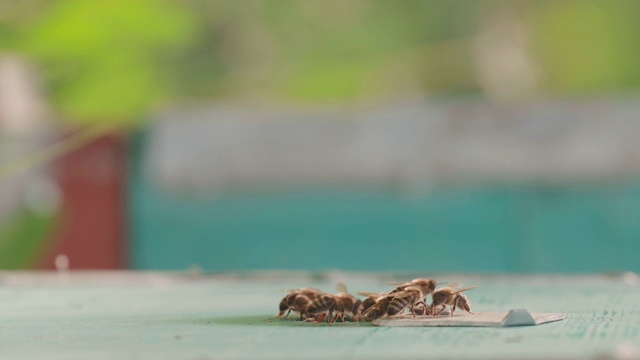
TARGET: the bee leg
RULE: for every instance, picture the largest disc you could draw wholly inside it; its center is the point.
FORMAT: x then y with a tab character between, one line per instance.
425	308
321	317
468	308
288	312
453	308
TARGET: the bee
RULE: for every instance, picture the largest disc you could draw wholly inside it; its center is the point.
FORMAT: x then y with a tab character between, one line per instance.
451	297
409	295
370	300
377	310
429	285
299	301
341	304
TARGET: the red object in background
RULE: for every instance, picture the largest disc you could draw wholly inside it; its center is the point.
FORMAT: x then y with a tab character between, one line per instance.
91	231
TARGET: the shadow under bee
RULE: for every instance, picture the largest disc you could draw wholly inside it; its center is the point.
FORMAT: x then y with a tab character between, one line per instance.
268	321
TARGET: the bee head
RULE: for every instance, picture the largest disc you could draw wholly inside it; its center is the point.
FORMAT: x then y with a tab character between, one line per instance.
284	306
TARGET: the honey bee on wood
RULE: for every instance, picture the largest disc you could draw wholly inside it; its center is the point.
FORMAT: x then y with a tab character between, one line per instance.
377	309
409	295
341	304
370	299
449	296
299	301
429	285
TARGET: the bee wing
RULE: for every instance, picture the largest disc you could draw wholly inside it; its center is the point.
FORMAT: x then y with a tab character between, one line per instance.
453	287
402	294
399	283
341	287
367	293
402	286
465	289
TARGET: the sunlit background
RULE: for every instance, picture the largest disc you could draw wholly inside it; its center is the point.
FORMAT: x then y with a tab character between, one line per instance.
470	136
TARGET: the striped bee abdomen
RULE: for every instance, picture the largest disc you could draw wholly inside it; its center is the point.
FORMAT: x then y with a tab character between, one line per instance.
322	303
367	303
397	305
378	310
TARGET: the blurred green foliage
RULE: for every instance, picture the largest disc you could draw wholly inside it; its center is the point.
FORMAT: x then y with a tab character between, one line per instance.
117	60
23	239
100	59
589	45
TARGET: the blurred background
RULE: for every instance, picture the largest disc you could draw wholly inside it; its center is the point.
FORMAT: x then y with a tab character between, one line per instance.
464	136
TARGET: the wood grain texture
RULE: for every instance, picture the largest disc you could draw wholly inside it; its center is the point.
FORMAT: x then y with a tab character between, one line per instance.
122	315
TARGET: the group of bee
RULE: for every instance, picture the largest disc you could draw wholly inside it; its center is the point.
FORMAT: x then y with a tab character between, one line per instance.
313	305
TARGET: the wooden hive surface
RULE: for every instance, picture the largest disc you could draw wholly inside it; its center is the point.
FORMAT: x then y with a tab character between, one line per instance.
133	315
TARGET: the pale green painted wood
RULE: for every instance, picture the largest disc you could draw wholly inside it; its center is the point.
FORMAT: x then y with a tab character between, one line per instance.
128	315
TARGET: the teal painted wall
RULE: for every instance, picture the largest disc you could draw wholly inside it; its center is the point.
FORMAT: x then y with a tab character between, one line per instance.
465	228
